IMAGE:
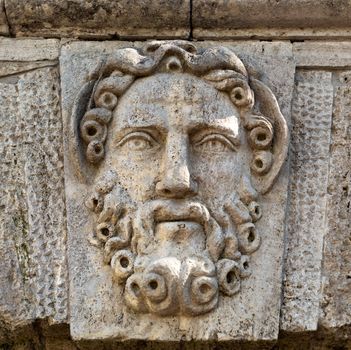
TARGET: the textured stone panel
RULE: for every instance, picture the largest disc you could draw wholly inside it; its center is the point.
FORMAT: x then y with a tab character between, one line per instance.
102	18
33	224
306	216
14	272
97	306
336	303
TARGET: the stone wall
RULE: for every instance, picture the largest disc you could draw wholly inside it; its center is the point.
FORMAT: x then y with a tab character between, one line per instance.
300	49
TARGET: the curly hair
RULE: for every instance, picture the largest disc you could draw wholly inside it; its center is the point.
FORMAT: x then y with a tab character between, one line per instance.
218	66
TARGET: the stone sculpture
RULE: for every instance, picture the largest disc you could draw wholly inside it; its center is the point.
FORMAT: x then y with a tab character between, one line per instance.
179	147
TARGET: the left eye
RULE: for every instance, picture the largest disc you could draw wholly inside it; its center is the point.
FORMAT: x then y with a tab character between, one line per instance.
214	143
138	141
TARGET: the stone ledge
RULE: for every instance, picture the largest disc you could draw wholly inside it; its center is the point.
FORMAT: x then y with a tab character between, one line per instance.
267	19
99	19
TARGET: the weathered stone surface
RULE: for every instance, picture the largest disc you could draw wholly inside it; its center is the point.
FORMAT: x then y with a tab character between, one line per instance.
317	272
310	141
98	309
28	49
102	18
271	62
4	28
322	54
14	223
32	217
58	338
265	18
8	68
336	302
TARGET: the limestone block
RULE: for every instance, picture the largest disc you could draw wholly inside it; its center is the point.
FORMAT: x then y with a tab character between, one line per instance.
4	28
101	19
32	217
336	305
265	18
11	68
158	229
310	141
317	54
28	49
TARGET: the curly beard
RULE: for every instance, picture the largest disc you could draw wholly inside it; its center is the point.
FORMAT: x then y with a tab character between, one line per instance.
175	255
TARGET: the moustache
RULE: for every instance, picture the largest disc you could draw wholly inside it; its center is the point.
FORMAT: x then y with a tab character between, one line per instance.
168	210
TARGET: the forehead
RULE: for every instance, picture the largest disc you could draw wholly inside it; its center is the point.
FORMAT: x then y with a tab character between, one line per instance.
165	99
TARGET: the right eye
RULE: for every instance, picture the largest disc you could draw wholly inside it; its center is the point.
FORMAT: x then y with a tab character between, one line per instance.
138	141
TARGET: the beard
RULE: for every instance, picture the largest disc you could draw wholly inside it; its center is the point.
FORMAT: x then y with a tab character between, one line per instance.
175	255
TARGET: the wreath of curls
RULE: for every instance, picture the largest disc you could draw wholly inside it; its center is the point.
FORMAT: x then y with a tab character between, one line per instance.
218	66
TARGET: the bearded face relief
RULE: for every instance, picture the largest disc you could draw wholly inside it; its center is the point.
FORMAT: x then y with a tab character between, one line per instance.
179	156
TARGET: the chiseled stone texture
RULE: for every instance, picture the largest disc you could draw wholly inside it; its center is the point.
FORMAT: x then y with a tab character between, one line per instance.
336	302
96	306
33	273
101	19
306	216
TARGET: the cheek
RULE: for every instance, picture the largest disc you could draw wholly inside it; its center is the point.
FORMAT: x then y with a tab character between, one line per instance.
218	176
137	175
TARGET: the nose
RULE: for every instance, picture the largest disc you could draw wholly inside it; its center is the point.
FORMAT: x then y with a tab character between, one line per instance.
176	180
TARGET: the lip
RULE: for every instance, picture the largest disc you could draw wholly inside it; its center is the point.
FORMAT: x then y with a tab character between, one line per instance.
185	212
174	219
163	216
180	222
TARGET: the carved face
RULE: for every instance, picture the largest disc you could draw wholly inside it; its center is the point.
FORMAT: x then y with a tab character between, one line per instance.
174	154
174	136
176	158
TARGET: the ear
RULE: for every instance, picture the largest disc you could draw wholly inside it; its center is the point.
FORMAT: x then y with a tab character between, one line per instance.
272	159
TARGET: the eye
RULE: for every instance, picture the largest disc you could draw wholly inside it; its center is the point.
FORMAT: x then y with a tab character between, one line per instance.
214	143
138	141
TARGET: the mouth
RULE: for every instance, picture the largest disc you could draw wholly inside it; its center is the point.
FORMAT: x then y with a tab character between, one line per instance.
177	212
178	225
175	220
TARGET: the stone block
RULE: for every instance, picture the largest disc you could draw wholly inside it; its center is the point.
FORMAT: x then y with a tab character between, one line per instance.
318	54
267	19
306	216
32	217
335	303
99	19
110	300
28	49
